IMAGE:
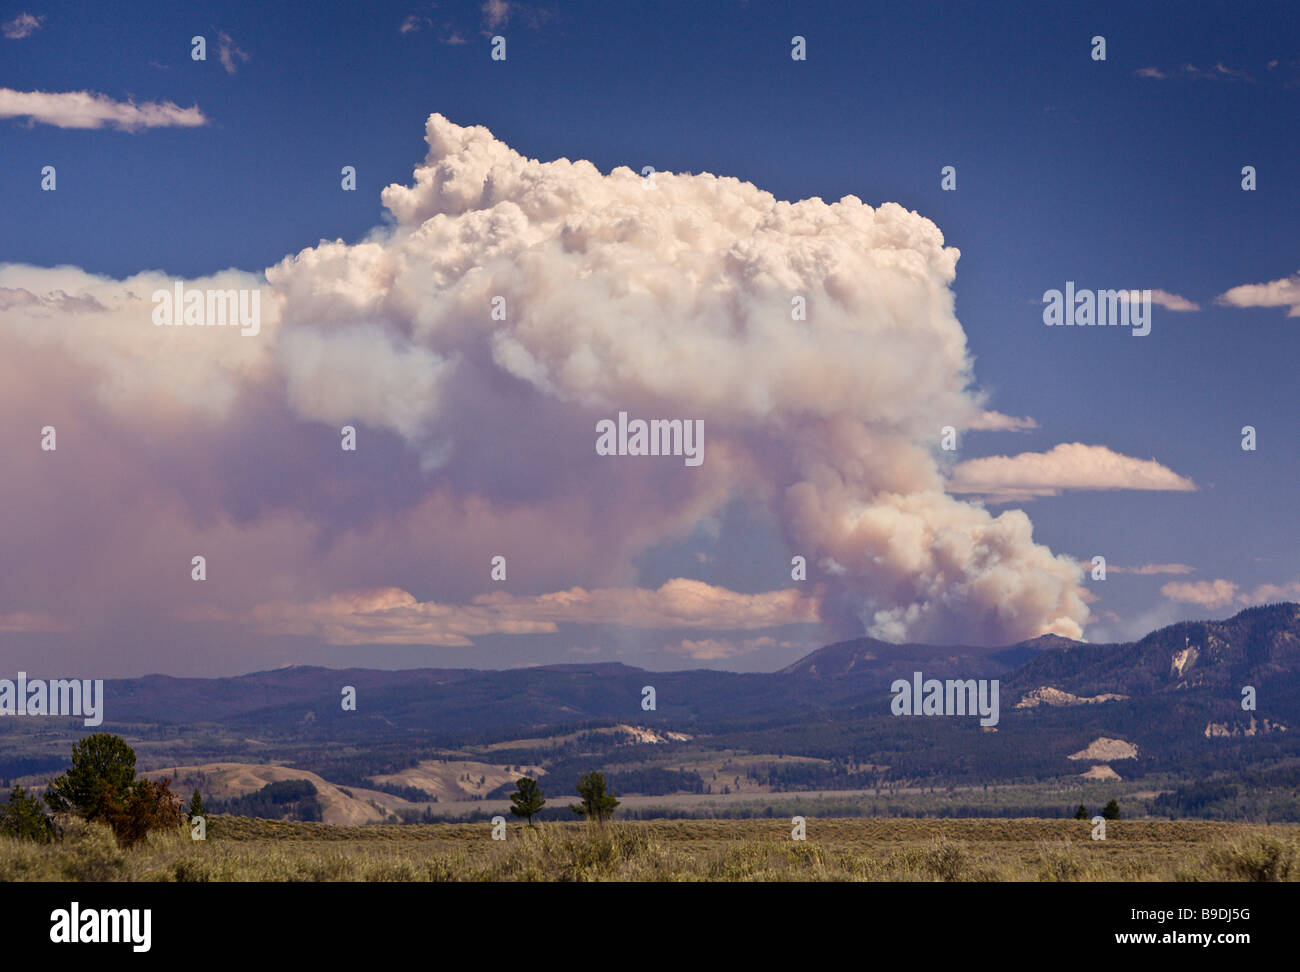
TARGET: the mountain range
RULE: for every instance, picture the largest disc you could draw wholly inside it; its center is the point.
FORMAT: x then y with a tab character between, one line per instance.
1187	703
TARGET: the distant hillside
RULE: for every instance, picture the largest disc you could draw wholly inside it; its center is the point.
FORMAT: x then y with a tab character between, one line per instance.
1172	702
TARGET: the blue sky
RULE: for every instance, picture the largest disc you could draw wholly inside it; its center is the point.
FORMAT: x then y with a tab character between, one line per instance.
1112	174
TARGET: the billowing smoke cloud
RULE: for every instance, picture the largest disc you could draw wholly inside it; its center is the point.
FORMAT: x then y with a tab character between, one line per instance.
669	300
674	299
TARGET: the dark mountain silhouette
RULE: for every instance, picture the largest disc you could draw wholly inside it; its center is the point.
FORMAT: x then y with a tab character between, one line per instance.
1210	659
1176	695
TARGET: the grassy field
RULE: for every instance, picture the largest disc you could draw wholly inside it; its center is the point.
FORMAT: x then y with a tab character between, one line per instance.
243	849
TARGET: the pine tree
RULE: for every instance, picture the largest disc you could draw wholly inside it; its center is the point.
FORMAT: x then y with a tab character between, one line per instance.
1081	813
527	799
1111	810
102	772
24	817
196	806
596	803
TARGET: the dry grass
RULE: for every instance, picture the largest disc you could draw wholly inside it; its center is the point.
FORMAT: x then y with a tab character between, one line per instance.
241	849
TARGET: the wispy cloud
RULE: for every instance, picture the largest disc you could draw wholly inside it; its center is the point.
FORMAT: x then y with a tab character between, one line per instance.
1190	71
990	421
85	109
496	13
414	22
1162	298
512	13
230	53
393	616
1149	569
24	25
448	33
716	649
22	621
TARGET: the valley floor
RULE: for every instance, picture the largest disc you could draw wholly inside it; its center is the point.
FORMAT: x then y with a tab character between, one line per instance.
860	849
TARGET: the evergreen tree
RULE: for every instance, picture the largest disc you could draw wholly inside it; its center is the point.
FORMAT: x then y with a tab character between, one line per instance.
101	785
1081	813
102	773
24	817
196	806
1111	810
527	799
596	803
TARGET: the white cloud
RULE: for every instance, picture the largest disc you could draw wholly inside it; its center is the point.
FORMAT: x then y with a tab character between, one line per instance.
85	109
1220	593
665	302
1173	302
107	325
1276	293
393	616
716	649
1068	466
1161	298
991	421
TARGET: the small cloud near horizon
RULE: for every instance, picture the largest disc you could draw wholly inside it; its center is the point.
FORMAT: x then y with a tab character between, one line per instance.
1220	593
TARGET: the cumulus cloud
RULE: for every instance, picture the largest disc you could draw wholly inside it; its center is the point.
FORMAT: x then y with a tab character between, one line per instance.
1276	293
23	25
1068	466
477	433
85	109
